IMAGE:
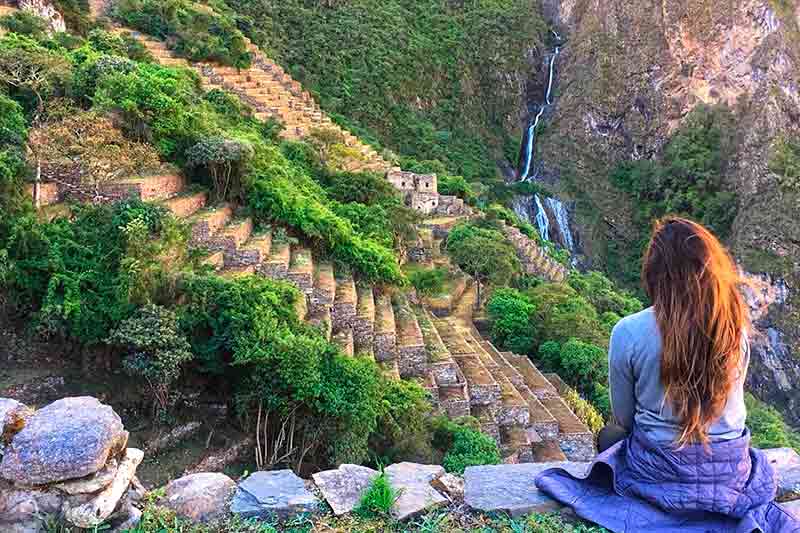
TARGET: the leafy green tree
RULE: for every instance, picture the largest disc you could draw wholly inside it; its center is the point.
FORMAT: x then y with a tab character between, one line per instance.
13	128
156	349
484	254
225	161
511	314
603	294
581	365
28	67
562	314
24	22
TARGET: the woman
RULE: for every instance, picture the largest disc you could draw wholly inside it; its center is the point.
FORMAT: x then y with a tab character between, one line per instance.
679	458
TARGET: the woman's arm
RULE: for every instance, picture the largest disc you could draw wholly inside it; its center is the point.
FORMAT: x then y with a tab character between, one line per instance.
621	378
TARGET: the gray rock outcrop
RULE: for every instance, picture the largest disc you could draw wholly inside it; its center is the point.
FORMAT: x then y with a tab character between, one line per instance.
200	497
70	438
66	462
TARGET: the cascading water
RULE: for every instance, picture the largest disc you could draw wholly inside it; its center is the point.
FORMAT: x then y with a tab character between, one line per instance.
557	207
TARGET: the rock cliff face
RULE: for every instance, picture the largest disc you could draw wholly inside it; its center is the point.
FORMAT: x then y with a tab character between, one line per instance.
630	73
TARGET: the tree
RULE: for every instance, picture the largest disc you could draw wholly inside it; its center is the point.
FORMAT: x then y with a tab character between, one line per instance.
484	254
562	314
156	349
225	160
25	65
511	314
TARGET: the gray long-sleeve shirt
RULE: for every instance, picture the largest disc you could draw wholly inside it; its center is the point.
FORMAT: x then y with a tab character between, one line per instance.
637	394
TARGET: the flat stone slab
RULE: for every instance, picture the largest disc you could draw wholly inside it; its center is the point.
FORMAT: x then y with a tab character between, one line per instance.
512	488
200	497
70	438
342	488
413	482
277	493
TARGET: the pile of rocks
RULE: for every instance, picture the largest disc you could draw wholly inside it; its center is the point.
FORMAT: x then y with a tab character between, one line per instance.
67	461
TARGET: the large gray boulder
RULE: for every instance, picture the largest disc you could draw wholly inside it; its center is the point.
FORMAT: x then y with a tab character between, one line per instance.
342	488
277	493
511	488
70	438
200	497
413	483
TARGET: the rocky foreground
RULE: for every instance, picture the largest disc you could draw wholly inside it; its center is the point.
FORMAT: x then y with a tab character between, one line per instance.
69	462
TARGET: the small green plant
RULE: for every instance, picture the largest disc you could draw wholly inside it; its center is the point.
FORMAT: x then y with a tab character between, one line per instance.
429	282
378	499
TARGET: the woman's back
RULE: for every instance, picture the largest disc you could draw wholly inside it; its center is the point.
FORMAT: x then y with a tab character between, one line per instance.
637	392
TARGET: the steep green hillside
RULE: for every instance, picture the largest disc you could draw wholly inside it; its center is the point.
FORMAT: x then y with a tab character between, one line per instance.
424	78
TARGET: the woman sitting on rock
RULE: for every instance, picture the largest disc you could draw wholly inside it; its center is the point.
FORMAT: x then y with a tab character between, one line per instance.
680	457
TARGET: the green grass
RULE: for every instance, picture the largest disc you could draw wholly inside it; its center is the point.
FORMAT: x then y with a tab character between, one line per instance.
378	499
448	520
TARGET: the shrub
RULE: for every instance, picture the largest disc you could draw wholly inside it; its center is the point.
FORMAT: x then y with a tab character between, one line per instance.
603	294
195	31
78	276
28	67
470	448
768	429
585	411
156	349
429	282
86	150
562	314
785	162
513	329
456	186
13	128
247	331
581	364
403	432
25	22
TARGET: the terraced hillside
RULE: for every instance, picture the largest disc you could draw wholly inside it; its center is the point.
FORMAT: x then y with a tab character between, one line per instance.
464	374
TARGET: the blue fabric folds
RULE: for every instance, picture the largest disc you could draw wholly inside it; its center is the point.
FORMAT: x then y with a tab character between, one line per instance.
640	486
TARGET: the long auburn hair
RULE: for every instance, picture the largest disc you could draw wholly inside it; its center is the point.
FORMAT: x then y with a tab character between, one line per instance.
694	285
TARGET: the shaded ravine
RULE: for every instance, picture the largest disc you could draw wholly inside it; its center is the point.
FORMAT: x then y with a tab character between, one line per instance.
553	205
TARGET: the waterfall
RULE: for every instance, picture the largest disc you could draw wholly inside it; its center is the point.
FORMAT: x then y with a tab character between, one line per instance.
556	207
562	218
542	222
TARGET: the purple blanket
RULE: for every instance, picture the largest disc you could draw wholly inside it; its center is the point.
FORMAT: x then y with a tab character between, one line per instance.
638	486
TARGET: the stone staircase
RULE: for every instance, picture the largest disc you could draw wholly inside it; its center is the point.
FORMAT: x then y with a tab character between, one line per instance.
272	94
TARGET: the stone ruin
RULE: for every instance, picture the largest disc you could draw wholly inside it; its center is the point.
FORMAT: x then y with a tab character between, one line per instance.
420	193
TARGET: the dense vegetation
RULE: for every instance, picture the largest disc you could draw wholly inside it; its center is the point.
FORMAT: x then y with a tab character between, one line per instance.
122	276
564	328
689	180
420	76
199	32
